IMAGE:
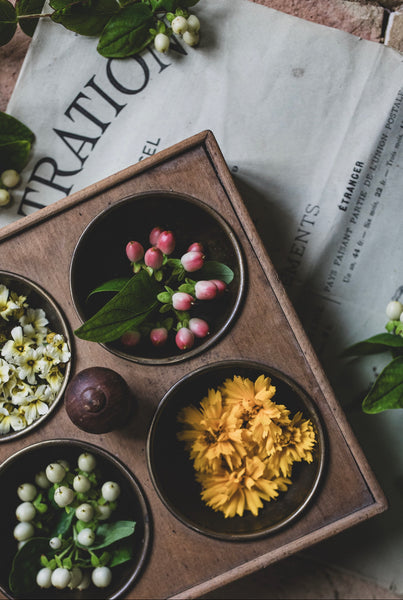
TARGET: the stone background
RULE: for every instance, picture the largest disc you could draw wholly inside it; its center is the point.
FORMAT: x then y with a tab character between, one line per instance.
298	577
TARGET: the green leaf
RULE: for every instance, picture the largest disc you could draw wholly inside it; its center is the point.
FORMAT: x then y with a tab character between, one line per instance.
121	554
8	22
25	566
165	5
382	342
28	7
387	391
15	142
164	297
125	310
114	285
127	32
84	18
109	533
64	523
213	269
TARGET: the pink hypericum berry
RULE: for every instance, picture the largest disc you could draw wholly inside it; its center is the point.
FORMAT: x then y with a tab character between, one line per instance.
192	261
166	242
182	300
154	235
221	286
130	338
205	290
154	258
158	336
199	327
196	247
184	339
134	251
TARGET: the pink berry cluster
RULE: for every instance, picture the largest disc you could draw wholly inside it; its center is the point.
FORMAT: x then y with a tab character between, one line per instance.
180	294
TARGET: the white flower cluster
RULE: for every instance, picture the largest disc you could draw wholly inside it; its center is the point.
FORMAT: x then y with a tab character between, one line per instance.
32	362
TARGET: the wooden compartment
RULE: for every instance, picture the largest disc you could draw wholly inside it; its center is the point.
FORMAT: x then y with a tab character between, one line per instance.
182	562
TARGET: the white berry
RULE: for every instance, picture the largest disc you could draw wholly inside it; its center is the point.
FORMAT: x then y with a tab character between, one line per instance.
84	512
110	491
55	543
10	178
161	42
179	25
25	511
193	23
4	197
61	578
191	38
44	577
76	578
41	480
26	492
86	537
103	511
23	531
81	483
63	496
101	577
87	462
394	310
55	472
85	581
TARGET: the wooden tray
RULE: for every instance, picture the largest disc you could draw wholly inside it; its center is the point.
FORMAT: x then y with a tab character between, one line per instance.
182	562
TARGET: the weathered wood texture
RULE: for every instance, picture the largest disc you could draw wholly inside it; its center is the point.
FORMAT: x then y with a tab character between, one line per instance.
185	564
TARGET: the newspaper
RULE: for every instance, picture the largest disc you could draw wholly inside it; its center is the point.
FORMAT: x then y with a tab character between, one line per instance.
310	121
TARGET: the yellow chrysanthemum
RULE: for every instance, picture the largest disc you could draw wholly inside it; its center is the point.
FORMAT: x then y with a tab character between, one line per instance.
243	445
212	434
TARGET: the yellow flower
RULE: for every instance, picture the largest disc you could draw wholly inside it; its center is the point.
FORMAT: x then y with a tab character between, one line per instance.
294	445
243	445
212	434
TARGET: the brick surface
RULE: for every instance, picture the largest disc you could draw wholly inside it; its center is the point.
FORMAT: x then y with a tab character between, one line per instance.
394	37
363	19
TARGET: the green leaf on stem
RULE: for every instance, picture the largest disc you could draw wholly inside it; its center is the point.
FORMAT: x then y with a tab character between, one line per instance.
15	142
213	269
127	32
387	391
382	342
125	310
8	22
84	18
109	533
114	285
121	554
26	564
28	7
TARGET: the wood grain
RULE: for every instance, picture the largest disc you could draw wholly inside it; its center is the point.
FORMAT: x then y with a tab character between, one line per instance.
183	563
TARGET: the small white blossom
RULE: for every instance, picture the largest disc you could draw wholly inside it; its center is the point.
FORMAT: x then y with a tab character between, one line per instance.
29	365
55	378
35	317
38	337
13	421
16	347
62	348
5	371
7	306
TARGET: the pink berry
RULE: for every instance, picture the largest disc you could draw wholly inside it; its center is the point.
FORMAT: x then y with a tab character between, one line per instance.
130	338
199	327
154	235
205	290
192	261
182	301
158	336
134	251
166	242
154	258
221	286
196	247
184	339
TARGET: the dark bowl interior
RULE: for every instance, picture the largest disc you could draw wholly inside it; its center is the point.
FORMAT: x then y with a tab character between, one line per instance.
172	472
100	256
22	466
37	297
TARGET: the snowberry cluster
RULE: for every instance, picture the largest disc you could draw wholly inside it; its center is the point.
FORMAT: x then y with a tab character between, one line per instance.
394	310
71	562
8	179
176	297
182	24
